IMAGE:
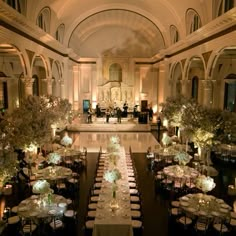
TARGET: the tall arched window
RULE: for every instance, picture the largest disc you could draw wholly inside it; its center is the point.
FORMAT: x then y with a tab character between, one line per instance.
224	6
230	93
115	73
18	5
36	85
43	19
194	93
193	21
174	34
60	33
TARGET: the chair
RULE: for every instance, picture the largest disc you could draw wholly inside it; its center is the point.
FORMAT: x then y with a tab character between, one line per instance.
56	224
185	221
89	225
28	226
202	224
219	225
137	226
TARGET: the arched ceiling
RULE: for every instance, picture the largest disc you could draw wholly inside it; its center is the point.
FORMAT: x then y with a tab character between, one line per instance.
130	28
122	28
116	33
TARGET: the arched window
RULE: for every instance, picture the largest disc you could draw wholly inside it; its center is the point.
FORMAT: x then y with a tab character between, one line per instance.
18	5
43	19
230	93
36	85
115	73
193	21
224	6
174	34
60	33
195	82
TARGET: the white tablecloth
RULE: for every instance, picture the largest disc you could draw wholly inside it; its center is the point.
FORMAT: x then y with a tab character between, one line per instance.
117	222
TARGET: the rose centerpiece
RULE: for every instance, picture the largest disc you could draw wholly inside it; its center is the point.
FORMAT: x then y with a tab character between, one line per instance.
182	158
114	144
41	187
66	140
54	158
205	183
112	176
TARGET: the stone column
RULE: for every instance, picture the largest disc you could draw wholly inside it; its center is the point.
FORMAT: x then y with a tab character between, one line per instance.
28	84
186	88
207	93
48	82
76	76
62	84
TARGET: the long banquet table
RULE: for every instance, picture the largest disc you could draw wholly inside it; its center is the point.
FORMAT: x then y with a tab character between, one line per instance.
114	222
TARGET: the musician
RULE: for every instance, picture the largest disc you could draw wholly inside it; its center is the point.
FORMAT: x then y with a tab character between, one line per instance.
125	107
90	112
108	114
119	113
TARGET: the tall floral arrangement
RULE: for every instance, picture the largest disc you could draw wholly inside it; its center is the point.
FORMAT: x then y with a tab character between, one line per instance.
205	183
54	158
66	140
114	144
112	175
41	187
182	158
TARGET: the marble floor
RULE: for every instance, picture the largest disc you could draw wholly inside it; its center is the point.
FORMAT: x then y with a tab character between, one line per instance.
138	142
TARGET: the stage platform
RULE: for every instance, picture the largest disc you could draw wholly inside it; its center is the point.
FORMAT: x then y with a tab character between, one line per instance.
128	124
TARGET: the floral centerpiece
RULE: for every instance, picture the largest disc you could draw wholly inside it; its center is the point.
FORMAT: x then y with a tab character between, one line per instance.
54	158
205	183
113	157
182	158
115	139
112	176
41	187
66	140
166	140
114	144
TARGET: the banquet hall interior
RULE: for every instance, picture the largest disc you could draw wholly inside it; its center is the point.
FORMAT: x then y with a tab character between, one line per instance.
117	117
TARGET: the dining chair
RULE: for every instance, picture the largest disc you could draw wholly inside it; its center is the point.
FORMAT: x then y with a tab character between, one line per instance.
28	226
88	228
137	226
202	224
219	225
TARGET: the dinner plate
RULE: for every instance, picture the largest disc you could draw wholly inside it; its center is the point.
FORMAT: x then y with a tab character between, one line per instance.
62	204
184	198
184	203
52	212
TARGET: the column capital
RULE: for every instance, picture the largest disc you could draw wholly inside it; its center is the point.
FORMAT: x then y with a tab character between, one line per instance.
27	81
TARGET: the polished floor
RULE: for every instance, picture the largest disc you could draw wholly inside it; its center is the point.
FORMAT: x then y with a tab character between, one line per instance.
138	142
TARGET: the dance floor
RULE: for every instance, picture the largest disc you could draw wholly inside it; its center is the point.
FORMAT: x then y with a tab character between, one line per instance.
138	142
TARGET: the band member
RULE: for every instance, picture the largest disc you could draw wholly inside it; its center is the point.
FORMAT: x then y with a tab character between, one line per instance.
125	107
108	114
98	110
119	113
90	115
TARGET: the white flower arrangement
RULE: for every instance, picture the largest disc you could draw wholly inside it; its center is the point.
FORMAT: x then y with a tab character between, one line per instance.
66	141
115	139
205	183
113	147
113	157
54	158
182	158
41	187
112	175
166	140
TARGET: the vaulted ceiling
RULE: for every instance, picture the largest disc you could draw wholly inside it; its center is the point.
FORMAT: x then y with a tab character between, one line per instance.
125	28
